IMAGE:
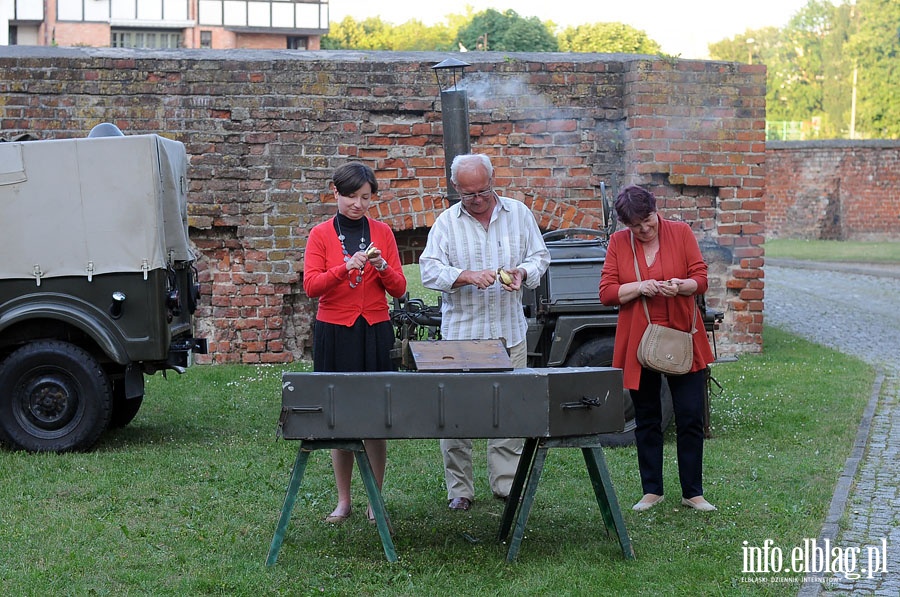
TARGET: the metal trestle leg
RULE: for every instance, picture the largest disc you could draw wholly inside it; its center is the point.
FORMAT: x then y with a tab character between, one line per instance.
368	478
528	475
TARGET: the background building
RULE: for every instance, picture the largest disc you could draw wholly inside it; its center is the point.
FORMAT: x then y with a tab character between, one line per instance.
216	24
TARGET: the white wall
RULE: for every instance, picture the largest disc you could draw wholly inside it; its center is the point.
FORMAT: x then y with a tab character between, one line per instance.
22	10
5	14
263	13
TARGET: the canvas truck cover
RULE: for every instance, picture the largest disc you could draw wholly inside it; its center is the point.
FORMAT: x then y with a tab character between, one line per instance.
82	207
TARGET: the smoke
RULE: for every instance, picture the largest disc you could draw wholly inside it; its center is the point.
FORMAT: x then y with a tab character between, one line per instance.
489	91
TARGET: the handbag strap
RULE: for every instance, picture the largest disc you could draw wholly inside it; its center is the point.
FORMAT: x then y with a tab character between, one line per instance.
637	272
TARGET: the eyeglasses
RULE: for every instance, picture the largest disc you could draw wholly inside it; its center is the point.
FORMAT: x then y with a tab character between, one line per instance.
485	194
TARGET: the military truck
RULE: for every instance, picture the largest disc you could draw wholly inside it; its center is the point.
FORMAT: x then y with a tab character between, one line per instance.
567	324
97	283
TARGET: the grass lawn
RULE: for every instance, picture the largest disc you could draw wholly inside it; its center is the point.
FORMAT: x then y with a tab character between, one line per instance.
414	285
834	250
185	500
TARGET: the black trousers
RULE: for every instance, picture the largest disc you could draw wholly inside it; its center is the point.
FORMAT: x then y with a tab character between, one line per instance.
688	393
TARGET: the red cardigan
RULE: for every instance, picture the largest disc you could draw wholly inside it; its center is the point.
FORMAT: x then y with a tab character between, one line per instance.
681	258
326	277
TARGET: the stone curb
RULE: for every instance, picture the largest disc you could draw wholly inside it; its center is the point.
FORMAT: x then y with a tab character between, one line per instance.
831	526
888	270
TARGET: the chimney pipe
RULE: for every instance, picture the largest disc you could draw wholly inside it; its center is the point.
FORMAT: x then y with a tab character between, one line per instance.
454	117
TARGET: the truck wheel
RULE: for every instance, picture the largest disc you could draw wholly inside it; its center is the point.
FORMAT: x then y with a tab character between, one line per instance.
54	397
598	353
124	410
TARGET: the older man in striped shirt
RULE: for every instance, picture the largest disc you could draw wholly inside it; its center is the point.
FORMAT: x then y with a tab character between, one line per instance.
466	247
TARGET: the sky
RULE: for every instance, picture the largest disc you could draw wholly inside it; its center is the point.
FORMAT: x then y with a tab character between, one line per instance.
681	27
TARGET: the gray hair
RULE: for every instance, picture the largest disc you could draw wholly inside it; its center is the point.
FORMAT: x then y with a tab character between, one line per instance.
483	160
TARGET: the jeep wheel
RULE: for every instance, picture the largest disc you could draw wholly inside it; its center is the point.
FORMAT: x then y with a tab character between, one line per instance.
54	397
598	353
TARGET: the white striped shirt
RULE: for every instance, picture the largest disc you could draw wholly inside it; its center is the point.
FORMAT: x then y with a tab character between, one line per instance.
458	242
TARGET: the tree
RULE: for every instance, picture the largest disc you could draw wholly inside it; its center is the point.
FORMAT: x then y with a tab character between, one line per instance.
414	36
344	35
528	35
795	66
838	67
607	37
825	58
754	46
506	32
370	34
875	50
769	46
375	34
798	70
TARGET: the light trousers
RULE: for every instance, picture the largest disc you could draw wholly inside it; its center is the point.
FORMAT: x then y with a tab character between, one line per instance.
502	454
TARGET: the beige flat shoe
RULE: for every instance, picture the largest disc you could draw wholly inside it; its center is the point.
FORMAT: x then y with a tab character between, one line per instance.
647	502
698	503
338	518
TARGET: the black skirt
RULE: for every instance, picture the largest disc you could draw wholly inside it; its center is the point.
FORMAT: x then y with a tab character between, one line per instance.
360	347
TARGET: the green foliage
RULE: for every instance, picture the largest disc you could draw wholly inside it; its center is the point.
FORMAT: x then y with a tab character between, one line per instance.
415	288
491	30
608	38
837	68
811	64
800	56
414	36
875	49
375	34
793	57
348	34
185	500
528	35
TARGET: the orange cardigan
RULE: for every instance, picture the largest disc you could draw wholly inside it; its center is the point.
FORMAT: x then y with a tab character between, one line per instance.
325	276
681	258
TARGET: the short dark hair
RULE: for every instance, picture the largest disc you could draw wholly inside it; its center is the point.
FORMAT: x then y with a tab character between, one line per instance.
634	204
349	177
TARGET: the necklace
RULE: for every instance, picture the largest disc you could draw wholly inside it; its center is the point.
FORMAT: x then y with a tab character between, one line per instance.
650	253
362	246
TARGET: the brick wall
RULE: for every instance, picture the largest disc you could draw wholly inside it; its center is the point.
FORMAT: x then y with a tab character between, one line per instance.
833	190
64	33
265	129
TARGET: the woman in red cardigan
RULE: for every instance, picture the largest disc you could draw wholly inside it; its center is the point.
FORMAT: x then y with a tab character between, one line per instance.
350	262
672	272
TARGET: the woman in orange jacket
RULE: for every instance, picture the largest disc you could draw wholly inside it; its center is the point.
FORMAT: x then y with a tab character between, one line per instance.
350	262
672	272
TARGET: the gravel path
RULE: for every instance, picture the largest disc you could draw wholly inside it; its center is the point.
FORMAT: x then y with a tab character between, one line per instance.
855	310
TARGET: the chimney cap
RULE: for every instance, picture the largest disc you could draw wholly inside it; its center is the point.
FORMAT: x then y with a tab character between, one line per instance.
451	63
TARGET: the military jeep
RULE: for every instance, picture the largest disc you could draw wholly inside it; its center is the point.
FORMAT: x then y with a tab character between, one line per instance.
568	326
97	283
